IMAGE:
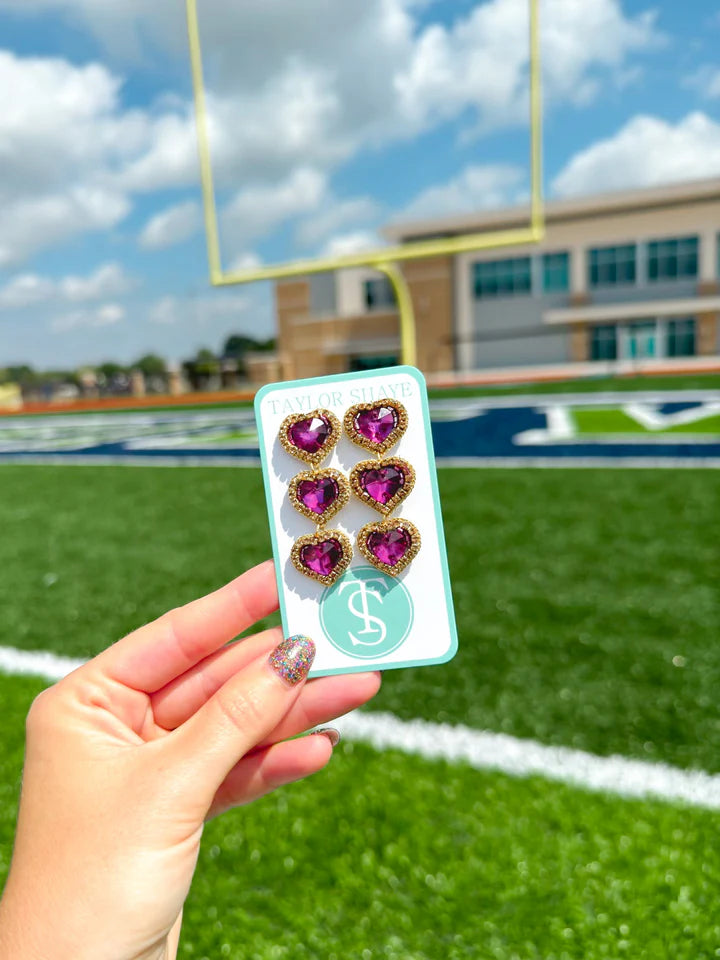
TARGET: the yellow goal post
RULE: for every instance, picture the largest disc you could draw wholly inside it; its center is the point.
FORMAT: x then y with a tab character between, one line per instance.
384	259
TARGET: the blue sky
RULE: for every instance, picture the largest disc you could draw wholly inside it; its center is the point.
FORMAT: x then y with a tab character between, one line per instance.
328	121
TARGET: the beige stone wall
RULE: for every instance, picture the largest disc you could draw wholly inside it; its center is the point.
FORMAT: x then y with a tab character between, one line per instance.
320	347
579	342
707	334
292	301
708	324
431	289
263	368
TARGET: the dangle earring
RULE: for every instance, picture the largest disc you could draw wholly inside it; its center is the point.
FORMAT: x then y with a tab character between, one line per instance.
389	544
317	494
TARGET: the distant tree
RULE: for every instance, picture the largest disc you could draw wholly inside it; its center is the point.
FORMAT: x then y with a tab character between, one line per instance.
20	373
151	365
203	365
239	344
109	369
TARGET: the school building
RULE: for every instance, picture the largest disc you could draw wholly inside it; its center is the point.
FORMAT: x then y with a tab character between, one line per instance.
621	280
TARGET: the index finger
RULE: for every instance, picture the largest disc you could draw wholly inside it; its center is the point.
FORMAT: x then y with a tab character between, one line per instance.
153	655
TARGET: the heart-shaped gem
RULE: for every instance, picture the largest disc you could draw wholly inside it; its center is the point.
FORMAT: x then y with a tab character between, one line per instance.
310	436
376	426
390	545
323	555
319	496
382	484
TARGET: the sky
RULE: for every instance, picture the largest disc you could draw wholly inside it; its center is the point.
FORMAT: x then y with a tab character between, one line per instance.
327	121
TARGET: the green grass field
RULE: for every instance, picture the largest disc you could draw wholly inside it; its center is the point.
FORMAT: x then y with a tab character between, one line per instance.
587	615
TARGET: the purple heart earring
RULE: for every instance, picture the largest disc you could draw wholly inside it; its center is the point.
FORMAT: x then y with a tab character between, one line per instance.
383	483
317	494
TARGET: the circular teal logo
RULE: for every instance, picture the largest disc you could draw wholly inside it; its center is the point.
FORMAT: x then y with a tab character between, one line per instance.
366	614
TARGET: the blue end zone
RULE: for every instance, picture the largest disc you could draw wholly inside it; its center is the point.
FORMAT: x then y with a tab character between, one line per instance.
480	430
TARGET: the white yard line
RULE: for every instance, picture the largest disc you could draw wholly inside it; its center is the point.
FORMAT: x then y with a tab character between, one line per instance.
477	748
550	463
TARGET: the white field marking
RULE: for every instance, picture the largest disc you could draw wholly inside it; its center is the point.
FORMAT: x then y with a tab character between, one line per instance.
581	463
648	416
600	399
128	460
475	463
479	749
559	428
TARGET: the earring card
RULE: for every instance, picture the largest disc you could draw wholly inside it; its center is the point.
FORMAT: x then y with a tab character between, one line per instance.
367	619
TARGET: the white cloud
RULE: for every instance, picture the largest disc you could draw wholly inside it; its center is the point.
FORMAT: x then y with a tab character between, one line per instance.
481	59
174	225
246	261
63	135
256	210
166	310
706	80
201	311
104	316
646	151
476	188
334	215
372	75
357	241
28	289
109	280
297	104
32	223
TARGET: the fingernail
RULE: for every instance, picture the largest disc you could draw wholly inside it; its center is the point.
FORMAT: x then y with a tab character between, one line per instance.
293	658
331	733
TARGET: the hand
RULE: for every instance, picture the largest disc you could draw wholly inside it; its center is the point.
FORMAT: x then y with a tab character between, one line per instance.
128	756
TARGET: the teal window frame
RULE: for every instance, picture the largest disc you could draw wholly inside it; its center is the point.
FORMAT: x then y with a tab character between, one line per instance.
604	342
674	258
681	337
612	266
509	277
556	272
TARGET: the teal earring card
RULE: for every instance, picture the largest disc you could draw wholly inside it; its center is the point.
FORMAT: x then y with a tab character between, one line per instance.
367	619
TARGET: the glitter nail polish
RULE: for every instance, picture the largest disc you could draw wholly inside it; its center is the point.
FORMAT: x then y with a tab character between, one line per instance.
293	658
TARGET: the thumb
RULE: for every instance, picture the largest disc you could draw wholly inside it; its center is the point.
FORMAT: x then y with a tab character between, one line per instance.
244	710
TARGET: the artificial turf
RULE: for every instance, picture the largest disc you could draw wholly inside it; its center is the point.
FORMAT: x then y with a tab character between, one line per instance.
586	599
384	855
594	421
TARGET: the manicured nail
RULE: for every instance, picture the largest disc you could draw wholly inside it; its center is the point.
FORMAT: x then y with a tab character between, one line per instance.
331	733
293	658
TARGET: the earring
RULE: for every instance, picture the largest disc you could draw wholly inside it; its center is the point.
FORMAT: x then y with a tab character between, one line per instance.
383	483
317	494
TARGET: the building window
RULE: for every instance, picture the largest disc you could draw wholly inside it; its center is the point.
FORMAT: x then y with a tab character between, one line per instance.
612	266
603	342
681	338
379	294
357	364
673	259
502	278
556	272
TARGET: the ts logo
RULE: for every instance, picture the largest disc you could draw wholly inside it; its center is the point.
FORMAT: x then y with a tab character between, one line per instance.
358	599
366	614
